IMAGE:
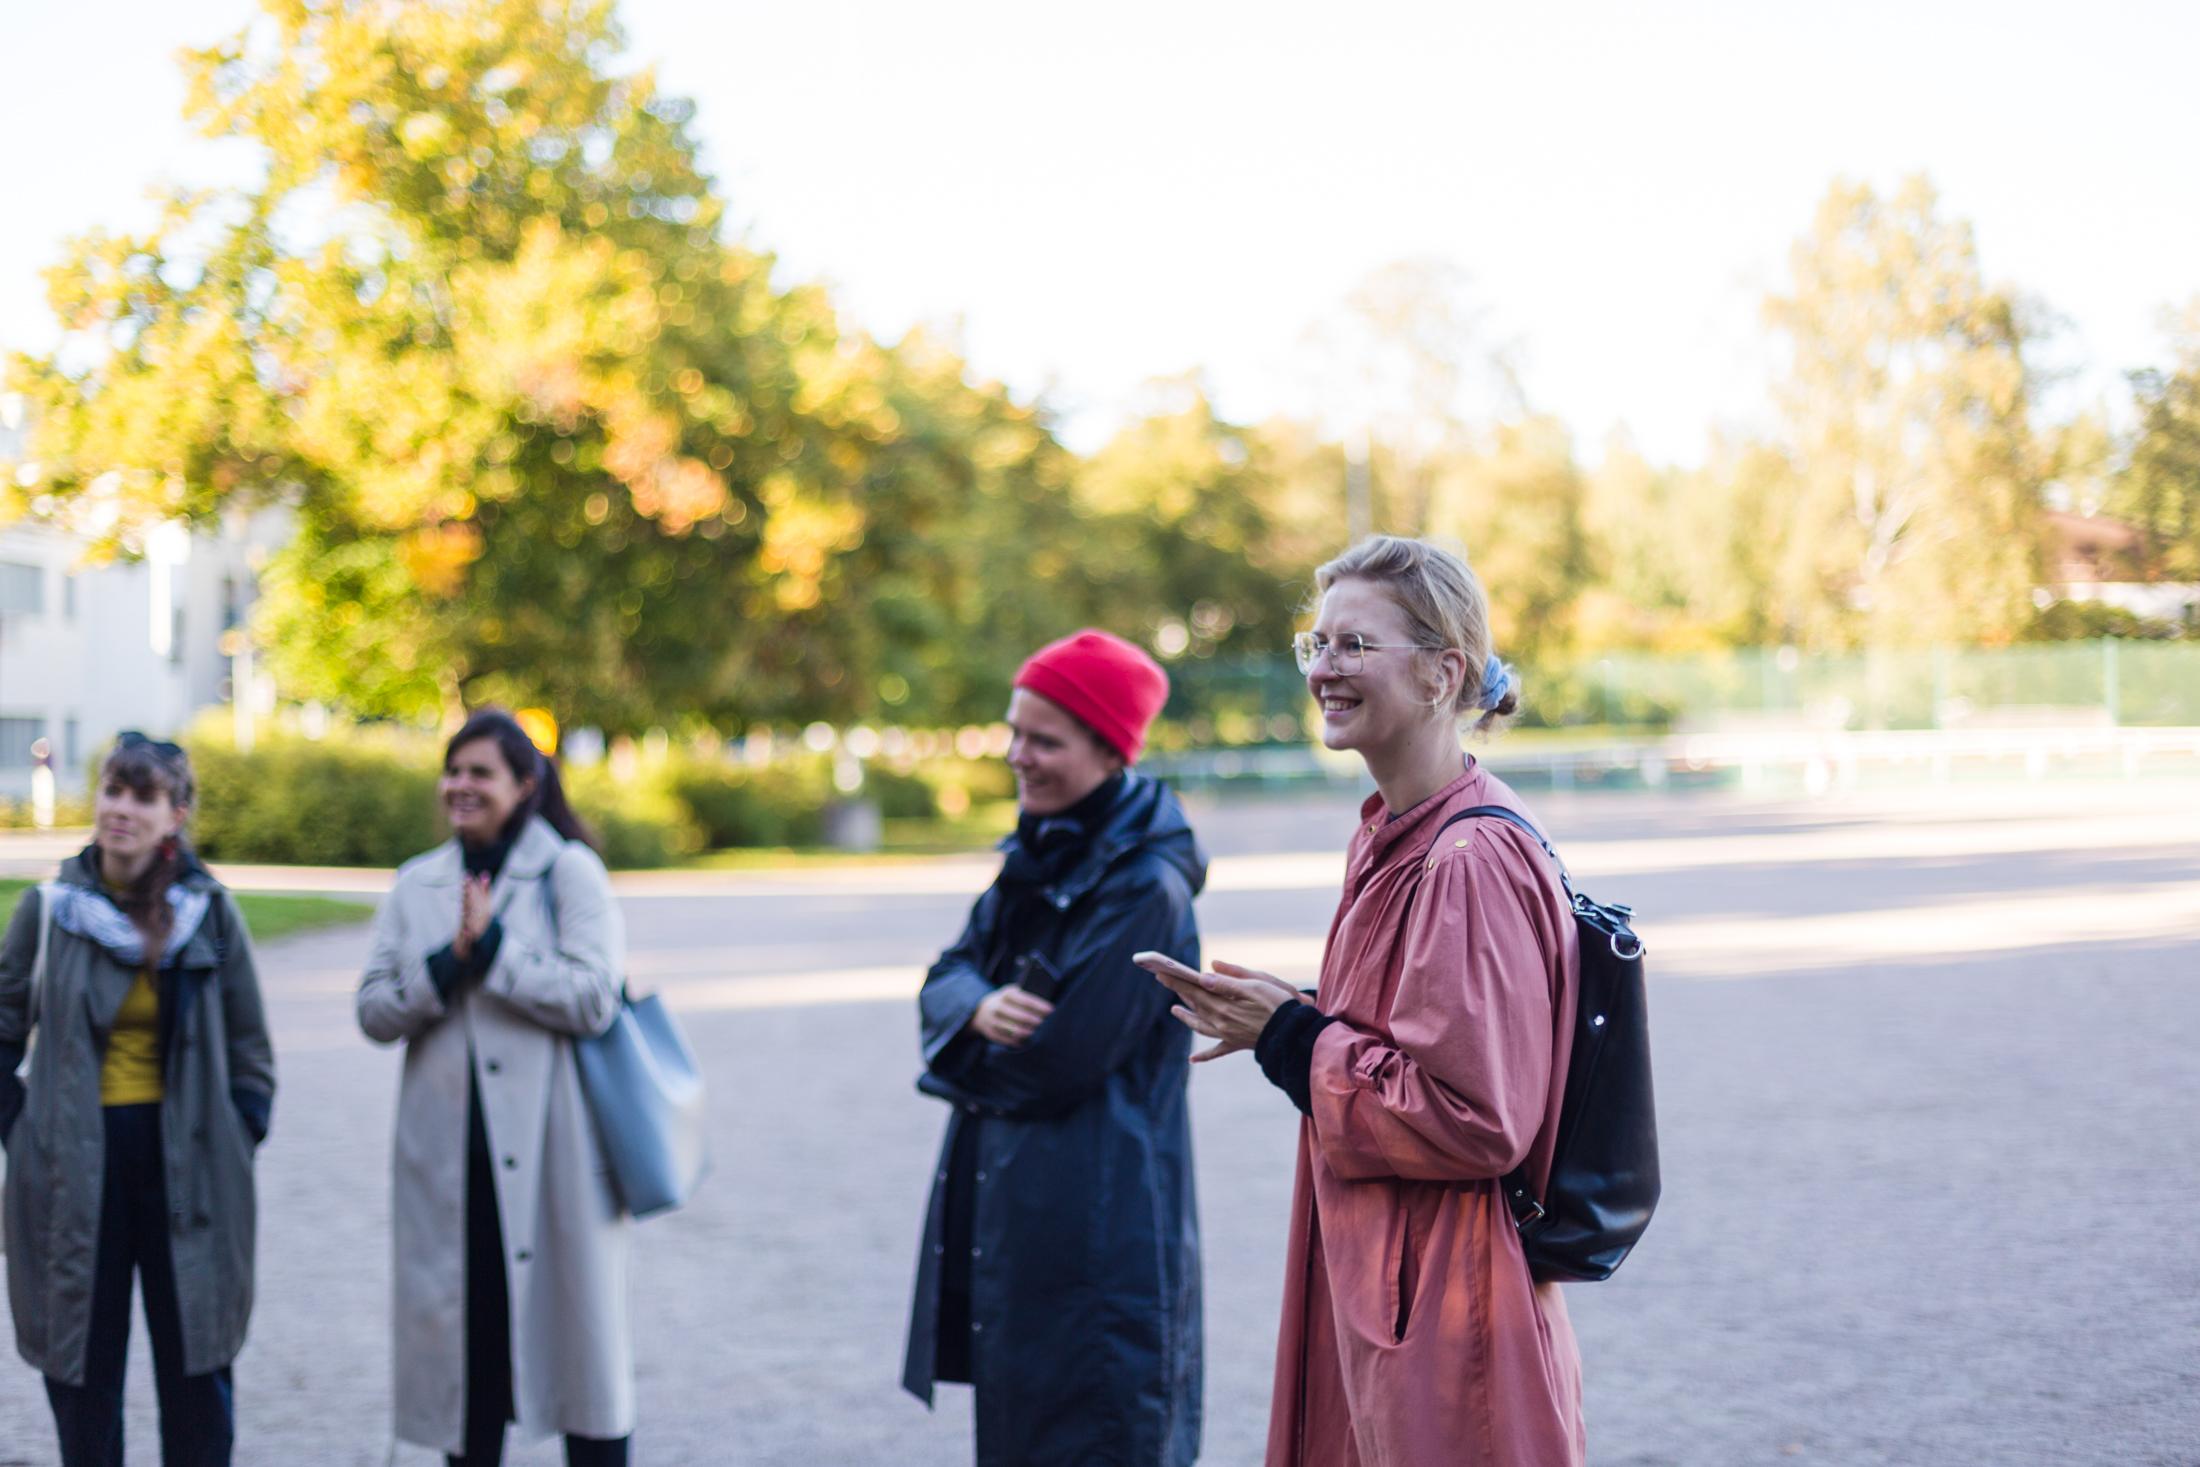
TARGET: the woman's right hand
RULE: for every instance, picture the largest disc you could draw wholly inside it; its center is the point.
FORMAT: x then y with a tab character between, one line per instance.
1232	1010
474	912
1008	1015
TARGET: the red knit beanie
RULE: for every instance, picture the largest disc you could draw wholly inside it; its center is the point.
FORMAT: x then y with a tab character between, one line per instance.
1106	683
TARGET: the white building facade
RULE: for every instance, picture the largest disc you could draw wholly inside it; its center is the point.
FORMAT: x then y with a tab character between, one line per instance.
87	650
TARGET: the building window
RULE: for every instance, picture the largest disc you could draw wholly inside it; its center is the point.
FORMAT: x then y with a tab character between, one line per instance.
68	595
16	737
72	743
22	588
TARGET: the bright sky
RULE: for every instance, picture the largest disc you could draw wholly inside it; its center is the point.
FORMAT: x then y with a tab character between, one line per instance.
1100	195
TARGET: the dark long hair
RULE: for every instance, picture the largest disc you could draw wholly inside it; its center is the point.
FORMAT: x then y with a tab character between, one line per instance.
149	769
526	762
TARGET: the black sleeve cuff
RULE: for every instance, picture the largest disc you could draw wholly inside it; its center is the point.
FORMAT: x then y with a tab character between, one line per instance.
1286	1051
254	1109
444	971
485	947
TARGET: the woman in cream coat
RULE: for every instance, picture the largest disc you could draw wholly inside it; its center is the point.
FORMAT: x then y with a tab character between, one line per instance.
492	953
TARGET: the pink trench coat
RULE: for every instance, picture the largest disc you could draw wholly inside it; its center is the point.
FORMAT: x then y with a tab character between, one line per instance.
1412	1334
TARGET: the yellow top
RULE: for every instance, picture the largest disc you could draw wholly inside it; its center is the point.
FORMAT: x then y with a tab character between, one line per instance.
130	1073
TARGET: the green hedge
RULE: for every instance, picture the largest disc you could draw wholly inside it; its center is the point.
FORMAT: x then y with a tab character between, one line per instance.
366	797
783	805
332	802
639	823
68	811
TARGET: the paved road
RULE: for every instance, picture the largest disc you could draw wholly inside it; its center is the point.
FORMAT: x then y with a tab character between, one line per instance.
1927	1088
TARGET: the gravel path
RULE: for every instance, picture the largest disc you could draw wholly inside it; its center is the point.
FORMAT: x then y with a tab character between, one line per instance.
1930	1169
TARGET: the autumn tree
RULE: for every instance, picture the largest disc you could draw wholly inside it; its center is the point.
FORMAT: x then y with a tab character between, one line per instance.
1912	513
545	435
2159	487
1182	511
1405	371
1515	504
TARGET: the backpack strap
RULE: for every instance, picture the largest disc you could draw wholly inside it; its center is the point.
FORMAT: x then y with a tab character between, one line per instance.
1513	818
1519	1200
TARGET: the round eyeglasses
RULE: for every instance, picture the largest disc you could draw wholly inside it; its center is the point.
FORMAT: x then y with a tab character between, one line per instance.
1347	651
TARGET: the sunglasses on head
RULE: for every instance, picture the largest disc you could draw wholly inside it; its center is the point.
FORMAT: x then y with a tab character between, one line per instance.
130	738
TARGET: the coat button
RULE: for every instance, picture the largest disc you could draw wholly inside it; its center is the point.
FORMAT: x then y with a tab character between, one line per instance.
943	1174
490	1066
511	1163
977	1253
522	1256
981	1176
938	1249
976	1328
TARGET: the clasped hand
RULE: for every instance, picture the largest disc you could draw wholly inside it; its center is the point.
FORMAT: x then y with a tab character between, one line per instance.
1231	1005
474	914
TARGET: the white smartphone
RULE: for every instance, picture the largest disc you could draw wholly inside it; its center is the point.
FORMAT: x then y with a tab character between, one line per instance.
1151	959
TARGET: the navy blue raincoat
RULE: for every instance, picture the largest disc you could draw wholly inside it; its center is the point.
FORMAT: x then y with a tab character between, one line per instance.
1065	1182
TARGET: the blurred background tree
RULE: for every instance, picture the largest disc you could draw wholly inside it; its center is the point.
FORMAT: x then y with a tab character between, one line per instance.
546	436
1913	505
2159	488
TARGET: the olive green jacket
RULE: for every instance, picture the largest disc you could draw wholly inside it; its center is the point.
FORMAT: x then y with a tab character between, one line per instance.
218	1089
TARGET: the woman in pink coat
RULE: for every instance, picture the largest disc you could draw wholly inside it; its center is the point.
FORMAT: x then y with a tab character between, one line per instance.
1431	1064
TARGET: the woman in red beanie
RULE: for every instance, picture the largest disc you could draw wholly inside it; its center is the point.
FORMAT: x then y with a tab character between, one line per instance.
1059	1273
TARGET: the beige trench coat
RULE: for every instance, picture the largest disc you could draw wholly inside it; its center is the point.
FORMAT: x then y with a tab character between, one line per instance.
556	976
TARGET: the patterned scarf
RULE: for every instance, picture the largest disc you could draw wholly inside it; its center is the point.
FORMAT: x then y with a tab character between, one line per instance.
94	916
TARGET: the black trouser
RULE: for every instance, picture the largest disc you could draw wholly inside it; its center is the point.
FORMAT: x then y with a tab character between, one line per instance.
489	1322
197	1412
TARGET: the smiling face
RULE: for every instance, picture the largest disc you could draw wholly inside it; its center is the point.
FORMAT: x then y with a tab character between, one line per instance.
1388	702
479	791
1057	760
129	822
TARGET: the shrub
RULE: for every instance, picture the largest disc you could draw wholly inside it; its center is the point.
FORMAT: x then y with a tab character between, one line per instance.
957	783
783	805
69	811
639	822
901	796
366	797
332	802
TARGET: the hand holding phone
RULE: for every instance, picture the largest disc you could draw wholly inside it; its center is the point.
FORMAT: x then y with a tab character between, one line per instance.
1038	977
1009	1016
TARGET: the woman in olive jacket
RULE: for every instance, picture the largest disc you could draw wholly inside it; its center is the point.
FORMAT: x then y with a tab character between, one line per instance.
130	1149
491	955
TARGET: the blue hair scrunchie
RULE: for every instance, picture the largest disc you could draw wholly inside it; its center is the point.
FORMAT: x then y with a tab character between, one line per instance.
1496	682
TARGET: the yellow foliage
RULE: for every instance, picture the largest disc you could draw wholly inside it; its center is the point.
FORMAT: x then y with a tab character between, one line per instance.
436	556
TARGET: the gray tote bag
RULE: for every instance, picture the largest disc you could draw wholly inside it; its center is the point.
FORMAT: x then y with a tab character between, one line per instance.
643	1087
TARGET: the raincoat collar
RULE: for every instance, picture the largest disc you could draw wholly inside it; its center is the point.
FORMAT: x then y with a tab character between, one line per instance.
1144	815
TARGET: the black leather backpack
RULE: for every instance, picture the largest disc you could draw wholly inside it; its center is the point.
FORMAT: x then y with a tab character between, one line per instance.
1604	1173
